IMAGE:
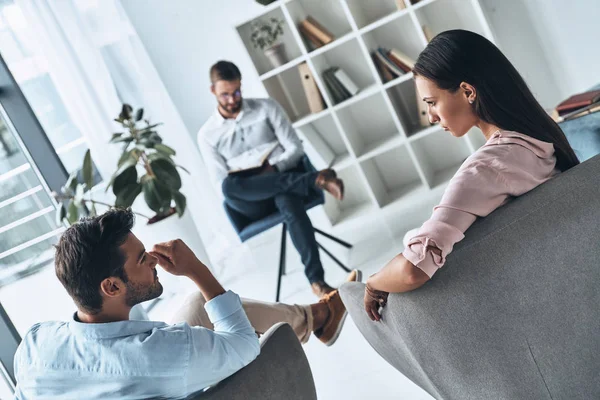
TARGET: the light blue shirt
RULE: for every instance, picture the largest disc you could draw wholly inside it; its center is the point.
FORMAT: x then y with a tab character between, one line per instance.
134	359
259	123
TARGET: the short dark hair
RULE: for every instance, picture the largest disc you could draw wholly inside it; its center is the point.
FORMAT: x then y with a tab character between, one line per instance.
224	71
88	252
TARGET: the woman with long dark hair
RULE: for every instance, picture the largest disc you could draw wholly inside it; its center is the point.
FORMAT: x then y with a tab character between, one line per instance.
466	81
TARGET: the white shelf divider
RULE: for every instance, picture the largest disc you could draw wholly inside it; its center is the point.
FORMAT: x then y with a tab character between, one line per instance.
392	166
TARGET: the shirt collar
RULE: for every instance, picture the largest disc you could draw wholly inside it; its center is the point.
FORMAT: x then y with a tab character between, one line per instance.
112	329
221	120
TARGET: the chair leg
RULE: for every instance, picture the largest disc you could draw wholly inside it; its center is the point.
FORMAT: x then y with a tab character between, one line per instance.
281	261
338	262
340	241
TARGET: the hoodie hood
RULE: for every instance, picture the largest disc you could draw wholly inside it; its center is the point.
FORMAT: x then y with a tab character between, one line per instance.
539	148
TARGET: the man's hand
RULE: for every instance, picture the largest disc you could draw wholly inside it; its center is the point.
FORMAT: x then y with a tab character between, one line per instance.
176	258
374	299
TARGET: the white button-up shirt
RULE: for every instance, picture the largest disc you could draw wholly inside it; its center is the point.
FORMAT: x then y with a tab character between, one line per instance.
134	359
259	123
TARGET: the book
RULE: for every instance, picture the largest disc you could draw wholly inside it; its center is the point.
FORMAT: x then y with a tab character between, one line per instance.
309	37
345	80
251	160
406	60
317	30
381	53
315	147
400	4
338	92
384	72
313	96
399	63
580	112
427	32
577	101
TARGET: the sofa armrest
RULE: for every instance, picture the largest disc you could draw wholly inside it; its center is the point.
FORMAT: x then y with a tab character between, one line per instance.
281	371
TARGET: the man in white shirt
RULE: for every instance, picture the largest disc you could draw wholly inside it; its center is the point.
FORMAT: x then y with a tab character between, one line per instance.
245	130
102	354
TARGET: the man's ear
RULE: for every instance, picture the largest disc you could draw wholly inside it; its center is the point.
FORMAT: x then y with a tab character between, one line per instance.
112	287
212	89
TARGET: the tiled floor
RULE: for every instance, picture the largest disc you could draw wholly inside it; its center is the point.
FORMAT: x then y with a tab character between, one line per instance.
350	369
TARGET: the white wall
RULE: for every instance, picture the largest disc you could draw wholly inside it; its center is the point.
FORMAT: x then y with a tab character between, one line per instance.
184	38
552	43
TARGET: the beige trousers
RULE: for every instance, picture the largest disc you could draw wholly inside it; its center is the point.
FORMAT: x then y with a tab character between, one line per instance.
262	315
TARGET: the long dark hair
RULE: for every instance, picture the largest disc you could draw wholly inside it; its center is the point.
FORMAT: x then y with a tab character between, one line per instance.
503	98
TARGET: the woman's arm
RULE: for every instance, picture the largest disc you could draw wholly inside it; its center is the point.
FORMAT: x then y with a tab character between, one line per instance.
398	276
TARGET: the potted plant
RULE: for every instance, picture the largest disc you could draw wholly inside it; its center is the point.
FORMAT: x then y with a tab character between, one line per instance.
145	166
264	36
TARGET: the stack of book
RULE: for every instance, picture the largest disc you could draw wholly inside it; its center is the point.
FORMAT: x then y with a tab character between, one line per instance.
391	63
579	104
315	35
339	84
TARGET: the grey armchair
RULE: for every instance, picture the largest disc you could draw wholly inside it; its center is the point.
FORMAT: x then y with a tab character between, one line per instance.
281	371
515	312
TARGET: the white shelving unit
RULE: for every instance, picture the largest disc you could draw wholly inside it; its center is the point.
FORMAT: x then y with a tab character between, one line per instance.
389	162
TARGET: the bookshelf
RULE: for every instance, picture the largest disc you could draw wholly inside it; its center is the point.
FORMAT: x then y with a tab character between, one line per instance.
390	162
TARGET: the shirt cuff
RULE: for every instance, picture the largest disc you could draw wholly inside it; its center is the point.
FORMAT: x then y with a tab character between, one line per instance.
425	264
223	306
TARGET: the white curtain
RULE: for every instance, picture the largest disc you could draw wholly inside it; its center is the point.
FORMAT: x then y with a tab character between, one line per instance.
97	61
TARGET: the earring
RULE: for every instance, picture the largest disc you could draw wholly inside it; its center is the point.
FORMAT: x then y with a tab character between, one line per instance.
471	101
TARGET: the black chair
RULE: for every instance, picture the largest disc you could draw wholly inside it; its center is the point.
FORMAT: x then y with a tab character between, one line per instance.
247	228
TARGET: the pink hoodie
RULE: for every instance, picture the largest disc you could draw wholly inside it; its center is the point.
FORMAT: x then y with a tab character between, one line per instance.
508	165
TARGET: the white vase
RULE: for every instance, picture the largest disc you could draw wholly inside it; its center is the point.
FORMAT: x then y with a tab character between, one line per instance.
276	55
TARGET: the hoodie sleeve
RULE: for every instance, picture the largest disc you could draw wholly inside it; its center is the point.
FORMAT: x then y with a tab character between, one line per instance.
485	182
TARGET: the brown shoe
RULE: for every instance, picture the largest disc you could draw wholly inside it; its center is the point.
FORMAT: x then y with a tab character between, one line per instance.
321	288
330	331
328	180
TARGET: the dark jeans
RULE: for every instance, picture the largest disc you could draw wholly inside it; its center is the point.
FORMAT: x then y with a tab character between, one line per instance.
258	196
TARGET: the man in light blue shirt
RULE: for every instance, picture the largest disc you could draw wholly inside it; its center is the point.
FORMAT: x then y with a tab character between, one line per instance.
246	129
101	354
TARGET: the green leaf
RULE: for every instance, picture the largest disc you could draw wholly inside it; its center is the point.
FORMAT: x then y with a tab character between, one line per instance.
122	139
156	194
93	211
157	155
88	170
129	158
180	203
72	213
185	169
125	178
139	115
127	195
126	111
72	181
165	149
61	213
166	173
78	200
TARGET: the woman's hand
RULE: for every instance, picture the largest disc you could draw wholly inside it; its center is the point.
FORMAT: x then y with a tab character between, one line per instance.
374	300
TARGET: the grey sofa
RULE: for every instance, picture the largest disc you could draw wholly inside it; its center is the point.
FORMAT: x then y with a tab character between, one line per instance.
515	312
281	371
